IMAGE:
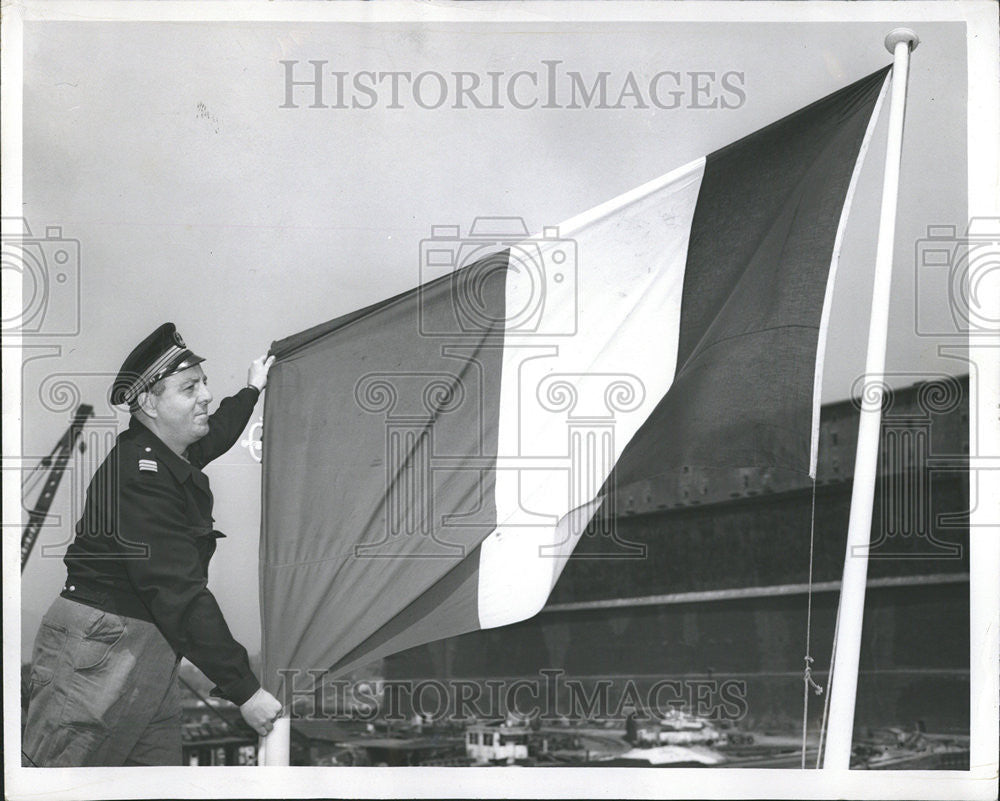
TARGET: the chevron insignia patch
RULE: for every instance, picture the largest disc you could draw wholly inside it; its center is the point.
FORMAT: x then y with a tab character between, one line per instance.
147	464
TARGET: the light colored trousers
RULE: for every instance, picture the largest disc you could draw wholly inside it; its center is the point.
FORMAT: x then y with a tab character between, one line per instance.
103	691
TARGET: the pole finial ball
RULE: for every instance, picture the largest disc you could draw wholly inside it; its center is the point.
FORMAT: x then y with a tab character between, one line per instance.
897	35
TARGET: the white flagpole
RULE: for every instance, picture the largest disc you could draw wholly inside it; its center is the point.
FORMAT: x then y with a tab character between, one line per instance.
274	749
844	683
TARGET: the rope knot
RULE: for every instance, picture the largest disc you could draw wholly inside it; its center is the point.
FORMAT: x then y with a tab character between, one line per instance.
808	679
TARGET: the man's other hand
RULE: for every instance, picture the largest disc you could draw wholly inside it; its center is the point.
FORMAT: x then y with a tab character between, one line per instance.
257	374
260	711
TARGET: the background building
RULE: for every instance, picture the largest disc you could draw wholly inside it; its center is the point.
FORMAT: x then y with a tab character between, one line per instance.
704	582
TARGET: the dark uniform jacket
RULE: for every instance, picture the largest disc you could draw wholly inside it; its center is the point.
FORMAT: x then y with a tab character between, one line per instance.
145	539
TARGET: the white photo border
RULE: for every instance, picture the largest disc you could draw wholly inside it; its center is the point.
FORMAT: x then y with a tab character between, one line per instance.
983	201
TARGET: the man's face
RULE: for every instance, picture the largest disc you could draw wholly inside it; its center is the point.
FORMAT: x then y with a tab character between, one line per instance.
182	408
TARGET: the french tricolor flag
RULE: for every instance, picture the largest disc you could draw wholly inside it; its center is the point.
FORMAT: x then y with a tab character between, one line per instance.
433	460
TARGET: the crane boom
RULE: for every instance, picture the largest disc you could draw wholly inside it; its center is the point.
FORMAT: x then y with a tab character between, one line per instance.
56	463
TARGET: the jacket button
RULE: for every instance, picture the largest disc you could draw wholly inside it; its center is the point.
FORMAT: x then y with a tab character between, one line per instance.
72	587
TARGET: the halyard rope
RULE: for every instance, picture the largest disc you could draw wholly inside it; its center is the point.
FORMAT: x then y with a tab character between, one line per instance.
807	679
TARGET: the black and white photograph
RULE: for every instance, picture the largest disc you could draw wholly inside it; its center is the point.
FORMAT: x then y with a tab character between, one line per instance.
400	394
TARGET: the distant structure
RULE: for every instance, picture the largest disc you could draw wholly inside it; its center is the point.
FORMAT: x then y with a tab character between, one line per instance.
702	582
496	742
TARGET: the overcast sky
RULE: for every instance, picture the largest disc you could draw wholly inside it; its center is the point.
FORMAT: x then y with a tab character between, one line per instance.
163	148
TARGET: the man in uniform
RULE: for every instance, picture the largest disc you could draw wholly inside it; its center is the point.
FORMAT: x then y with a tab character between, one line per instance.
103	686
